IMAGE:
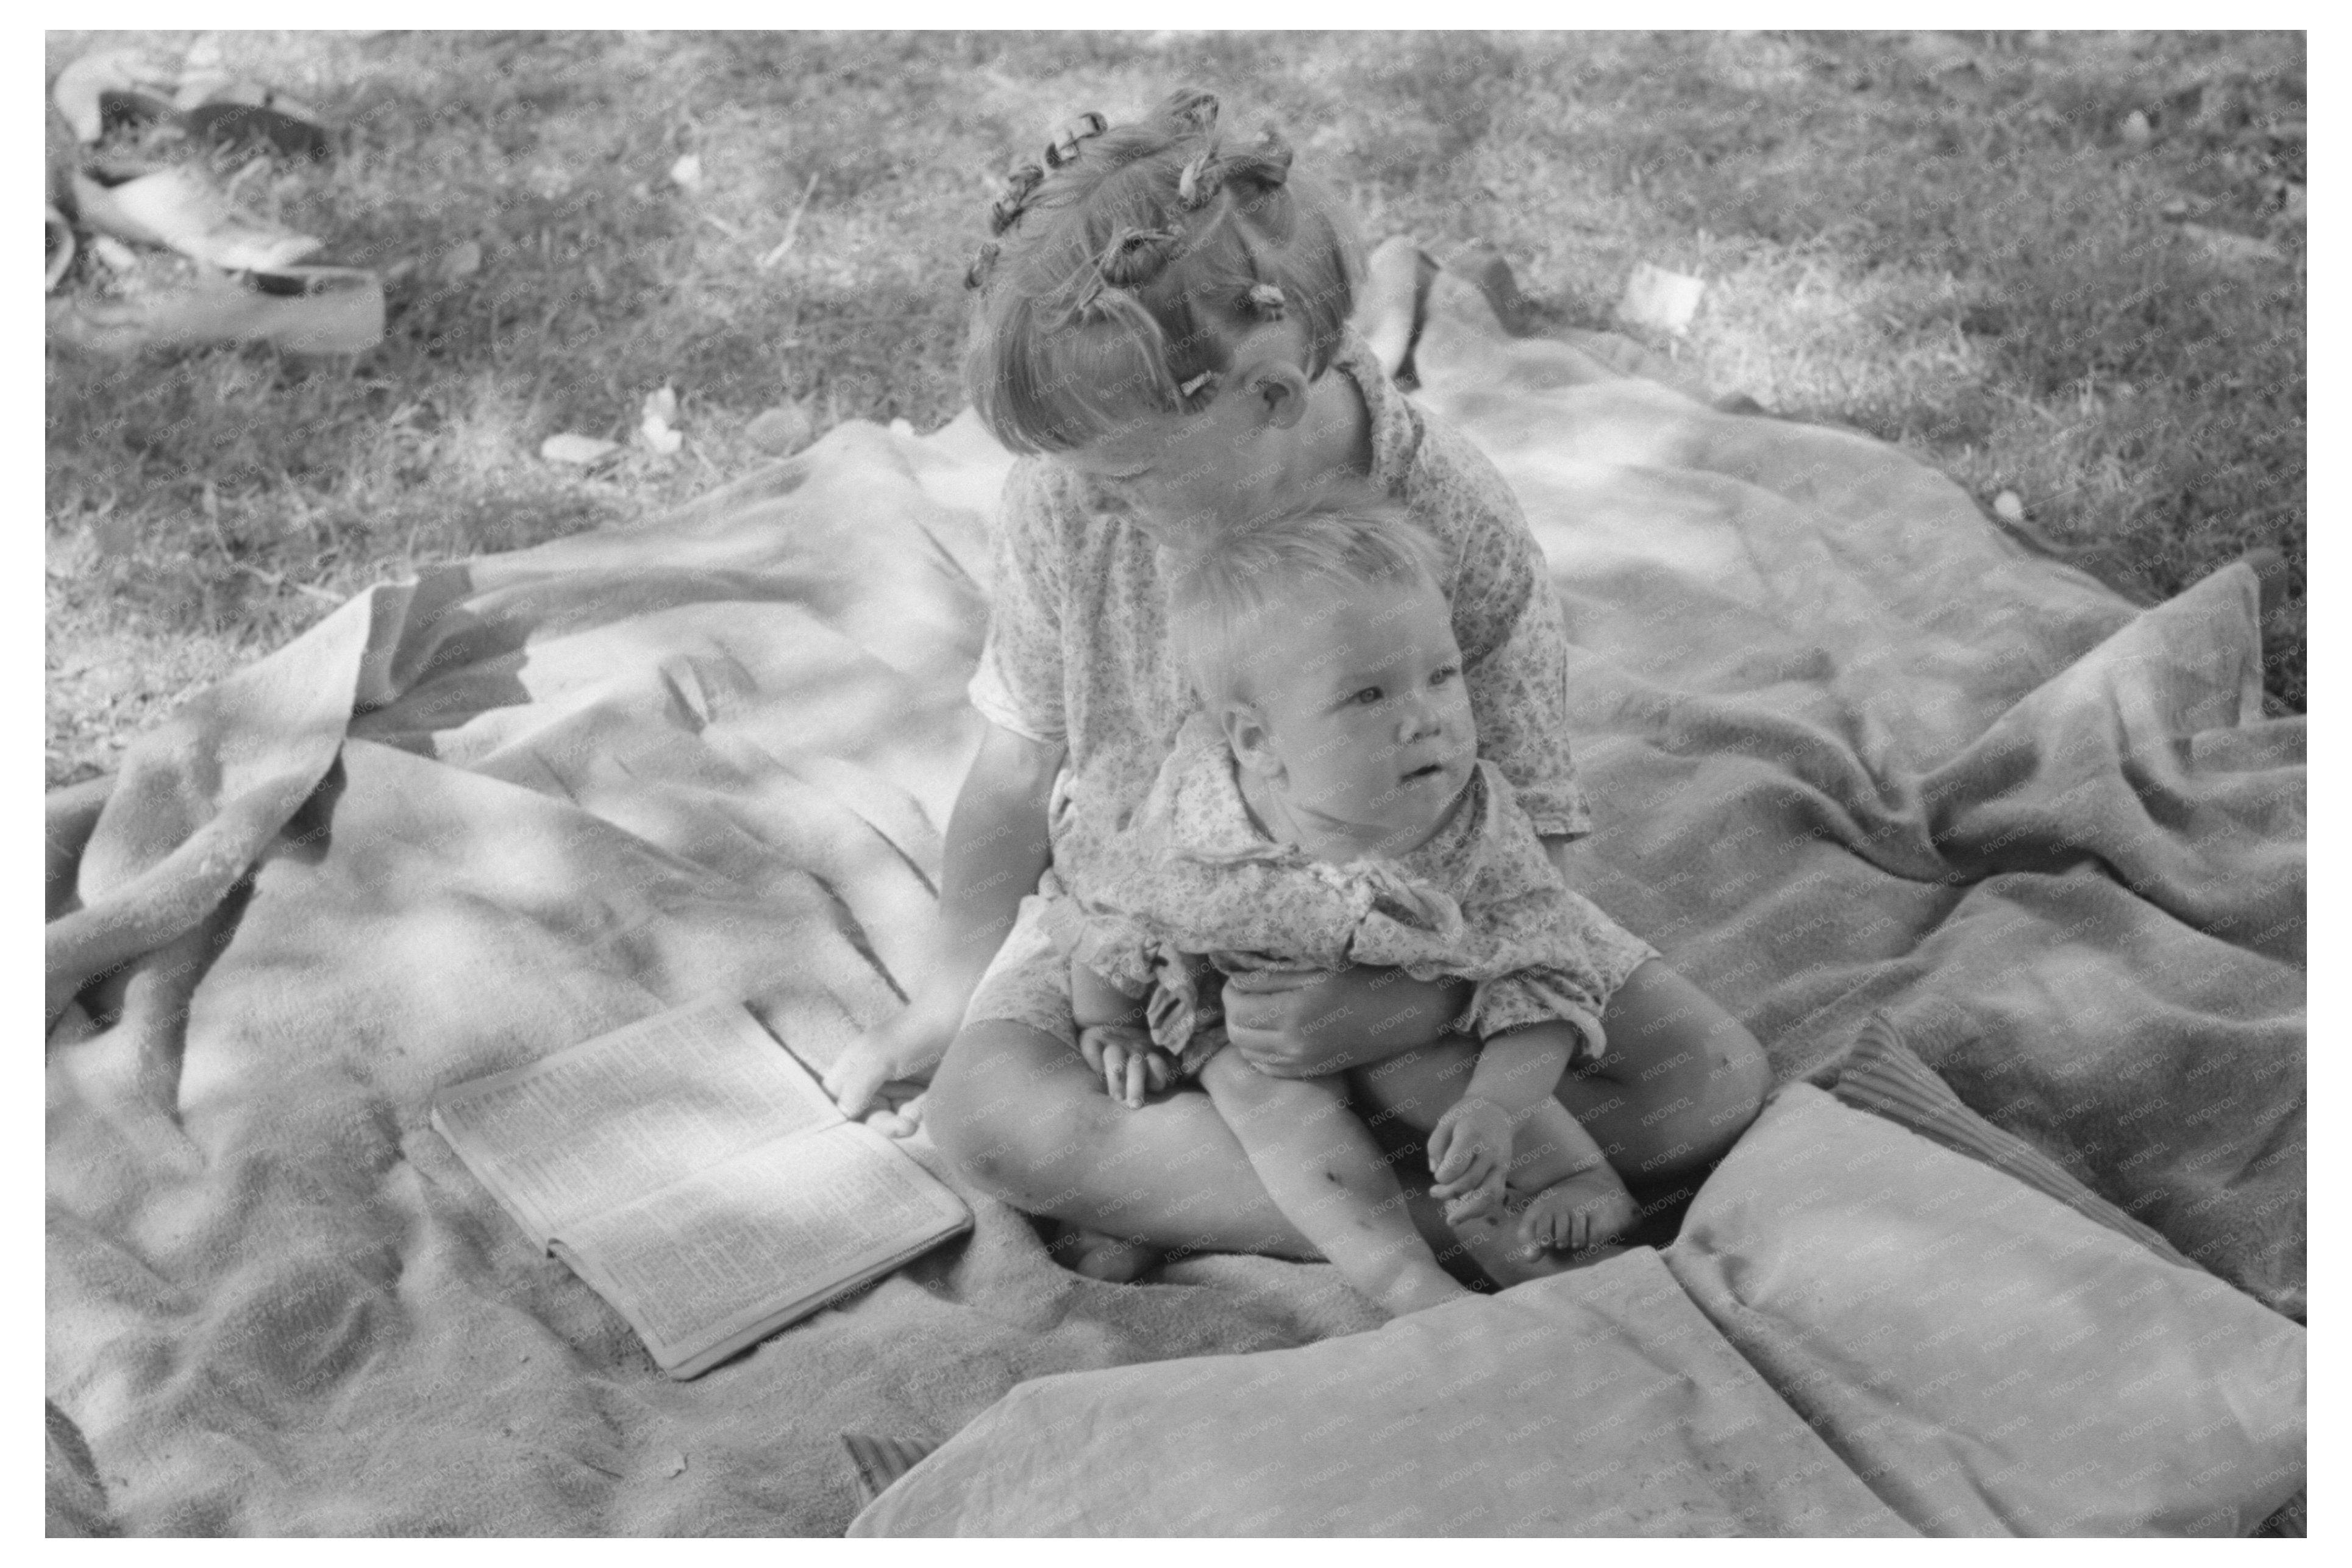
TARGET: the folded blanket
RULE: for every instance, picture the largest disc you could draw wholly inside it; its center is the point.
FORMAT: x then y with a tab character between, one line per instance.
1849	751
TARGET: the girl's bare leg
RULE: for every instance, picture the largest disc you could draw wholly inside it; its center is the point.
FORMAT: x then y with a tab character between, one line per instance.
1328	1176
1021	1114
1680	1082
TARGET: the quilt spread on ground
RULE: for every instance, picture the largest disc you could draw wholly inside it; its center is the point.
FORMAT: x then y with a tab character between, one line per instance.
1850	752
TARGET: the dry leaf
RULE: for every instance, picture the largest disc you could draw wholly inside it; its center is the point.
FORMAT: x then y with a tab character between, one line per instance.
782	430
579	450
1657	298
2223	246
654	424
686	172
119	258
2008	506
461	260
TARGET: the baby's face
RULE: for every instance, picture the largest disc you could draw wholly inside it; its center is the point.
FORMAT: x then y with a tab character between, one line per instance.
1365	709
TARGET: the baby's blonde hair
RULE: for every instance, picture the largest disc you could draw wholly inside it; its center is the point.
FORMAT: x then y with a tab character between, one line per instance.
1220	596
1127	267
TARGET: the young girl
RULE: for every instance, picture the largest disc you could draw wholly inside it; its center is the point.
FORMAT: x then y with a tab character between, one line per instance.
1162	326
1327	807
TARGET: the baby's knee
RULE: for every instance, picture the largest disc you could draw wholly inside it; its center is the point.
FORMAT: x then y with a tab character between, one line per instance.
1416	1087
1231	1083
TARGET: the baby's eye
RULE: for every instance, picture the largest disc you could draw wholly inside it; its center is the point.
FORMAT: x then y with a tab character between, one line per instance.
1367	697
1440	676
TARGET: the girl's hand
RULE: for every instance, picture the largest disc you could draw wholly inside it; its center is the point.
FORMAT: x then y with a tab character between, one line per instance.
1469	1155
1130	1064
1312	1022
1272	1018
908	1046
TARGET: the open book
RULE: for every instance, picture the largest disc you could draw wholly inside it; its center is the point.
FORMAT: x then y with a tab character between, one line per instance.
696	1175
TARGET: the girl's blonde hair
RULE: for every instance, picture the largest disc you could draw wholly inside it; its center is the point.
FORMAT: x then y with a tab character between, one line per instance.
1128	266
1220	597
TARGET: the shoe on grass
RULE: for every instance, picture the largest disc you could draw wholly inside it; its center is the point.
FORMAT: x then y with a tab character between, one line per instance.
115	87
179	208
228	110
303	310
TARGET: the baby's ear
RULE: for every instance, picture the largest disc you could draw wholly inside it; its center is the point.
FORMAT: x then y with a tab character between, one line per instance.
1246	734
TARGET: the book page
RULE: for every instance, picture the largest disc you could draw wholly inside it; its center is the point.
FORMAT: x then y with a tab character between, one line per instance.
782	1226
604	1123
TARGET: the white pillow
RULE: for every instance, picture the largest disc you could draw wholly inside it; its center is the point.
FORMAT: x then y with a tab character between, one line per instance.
1989	1361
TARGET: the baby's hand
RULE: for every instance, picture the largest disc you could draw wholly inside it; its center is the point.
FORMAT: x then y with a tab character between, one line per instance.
1469	1153
1129	1063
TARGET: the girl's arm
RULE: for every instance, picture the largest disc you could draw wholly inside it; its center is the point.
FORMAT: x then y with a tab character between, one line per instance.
996	849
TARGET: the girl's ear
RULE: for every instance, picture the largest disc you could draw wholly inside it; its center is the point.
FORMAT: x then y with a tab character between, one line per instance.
1278	390
1250	742
1265	370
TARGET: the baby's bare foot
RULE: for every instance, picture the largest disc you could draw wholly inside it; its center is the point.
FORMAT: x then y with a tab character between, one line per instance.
1099	1256
1578	1211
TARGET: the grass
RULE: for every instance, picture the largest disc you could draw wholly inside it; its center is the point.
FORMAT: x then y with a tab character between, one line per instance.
1956	243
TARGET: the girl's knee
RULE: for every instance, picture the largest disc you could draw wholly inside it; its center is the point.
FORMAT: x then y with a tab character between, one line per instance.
991	1122
960	1129
1744	1071
1733	1095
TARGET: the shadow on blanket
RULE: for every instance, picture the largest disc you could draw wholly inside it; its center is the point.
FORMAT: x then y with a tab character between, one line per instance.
1850	751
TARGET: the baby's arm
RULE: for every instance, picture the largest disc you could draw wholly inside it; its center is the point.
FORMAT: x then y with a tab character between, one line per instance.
1095	1002
1580	1200
1114	1040
1470	1150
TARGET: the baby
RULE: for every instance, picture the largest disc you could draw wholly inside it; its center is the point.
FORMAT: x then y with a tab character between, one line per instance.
1327	807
